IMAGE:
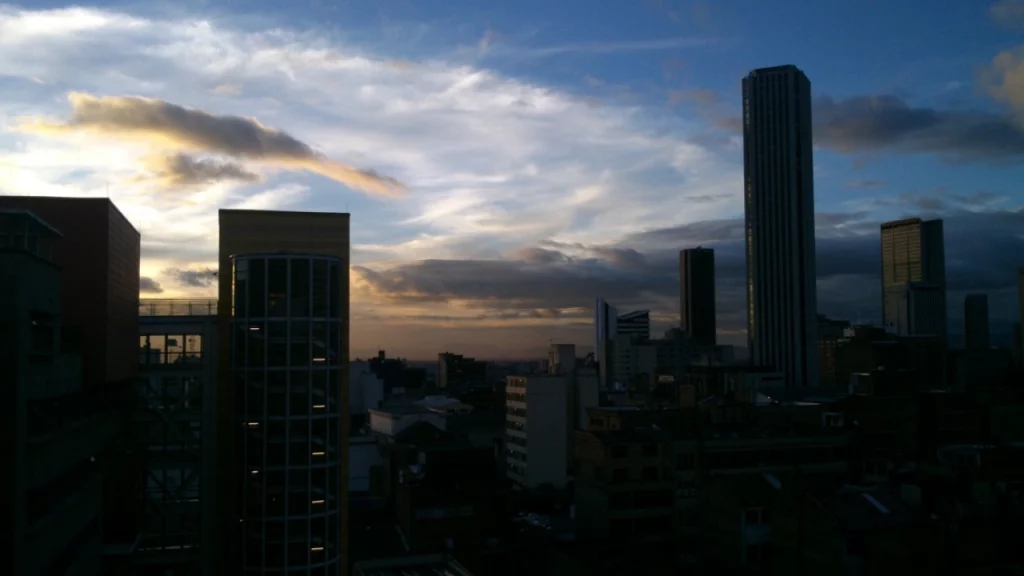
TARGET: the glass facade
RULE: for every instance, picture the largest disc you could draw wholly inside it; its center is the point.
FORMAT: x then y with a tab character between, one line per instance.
286	351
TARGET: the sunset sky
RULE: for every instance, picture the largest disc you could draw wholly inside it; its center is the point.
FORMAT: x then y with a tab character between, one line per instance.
506	162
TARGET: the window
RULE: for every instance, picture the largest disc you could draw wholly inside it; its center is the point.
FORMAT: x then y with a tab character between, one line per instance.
620	475
277	287
257	288
335	285
320	289
650	474
42	335
620	451
300	288
755	516
650	451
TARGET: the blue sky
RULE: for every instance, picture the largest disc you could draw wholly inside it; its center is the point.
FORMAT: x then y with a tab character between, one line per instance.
543	153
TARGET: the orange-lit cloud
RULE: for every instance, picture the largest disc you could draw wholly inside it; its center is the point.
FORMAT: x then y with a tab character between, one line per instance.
178	128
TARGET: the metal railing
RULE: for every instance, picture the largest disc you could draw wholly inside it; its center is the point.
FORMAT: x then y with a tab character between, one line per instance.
178	307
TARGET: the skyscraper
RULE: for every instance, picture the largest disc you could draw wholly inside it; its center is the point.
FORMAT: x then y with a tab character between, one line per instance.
976	333
635	325
914	278
605	327
282	400
697	295
778	166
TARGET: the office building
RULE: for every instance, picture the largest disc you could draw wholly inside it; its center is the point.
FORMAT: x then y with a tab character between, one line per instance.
54	428
99	281
697	295
976	332
635	325
177	378
778	165
541	413
914	278
282	397
605	328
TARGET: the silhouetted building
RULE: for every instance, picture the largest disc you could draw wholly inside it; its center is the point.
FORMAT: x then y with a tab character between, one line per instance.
697	295
778	163
914	277
54	428
456	373
177	379
561	358
605	329
99	261
282	399
830	332
635	325
976	333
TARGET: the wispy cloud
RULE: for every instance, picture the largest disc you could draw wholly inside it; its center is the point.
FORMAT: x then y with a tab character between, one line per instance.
593	48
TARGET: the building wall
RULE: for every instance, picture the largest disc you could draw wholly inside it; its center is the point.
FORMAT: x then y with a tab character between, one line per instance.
697	295
390	424
257	231
541	404
779	207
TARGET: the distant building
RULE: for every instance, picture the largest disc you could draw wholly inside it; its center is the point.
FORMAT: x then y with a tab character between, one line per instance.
782	320
459	373
541	412
635	325
605	329
976	333
697	295
561	358
914	277
830	332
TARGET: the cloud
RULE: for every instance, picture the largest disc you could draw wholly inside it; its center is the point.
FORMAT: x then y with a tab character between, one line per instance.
177	127
197	278
149	286
599	48
698	96
183	171
866	183
1004	79
872	123
866	124
1008	13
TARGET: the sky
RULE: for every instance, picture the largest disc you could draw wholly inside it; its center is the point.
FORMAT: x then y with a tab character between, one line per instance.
505	163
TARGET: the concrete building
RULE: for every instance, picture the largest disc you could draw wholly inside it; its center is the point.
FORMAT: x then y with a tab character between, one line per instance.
636	362
177	379
976	333
541	412
697	295
778	165
54	428
914	278
282	397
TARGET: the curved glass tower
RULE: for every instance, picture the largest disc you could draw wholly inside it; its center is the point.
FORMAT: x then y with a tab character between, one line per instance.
286	338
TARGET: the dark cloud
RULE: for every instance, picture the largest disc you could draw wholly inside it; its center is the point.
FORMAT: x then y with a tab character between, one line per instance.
700	97
867	183
939	200
184	171
983	251
865	124
1008	13
198	278
149	286
175	126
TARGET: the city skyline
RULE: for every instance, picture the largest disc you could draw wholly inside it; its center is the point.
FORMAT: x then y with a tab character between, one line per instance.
501	175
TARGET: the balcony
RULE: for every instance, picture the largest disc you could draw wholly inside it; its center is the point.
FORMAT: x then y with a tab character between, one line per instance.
178	307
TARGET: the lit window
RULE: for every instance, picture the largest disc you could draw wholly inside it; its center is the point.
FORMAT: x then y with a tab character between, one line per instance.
254	471
317	549
318	502
254	328
319	406
318	453
253	424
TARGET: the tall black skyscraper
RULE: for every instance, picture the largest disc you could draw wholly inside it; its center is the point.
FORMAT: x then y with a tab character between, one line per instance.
782	307
697	295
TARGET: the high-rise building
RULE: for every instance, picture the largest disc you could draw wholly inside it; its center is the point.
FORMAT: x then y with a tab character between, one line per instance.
778	165
976	331
457	373
282	397
697	295
561	358
605	329
1018	338
914	278
635	325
